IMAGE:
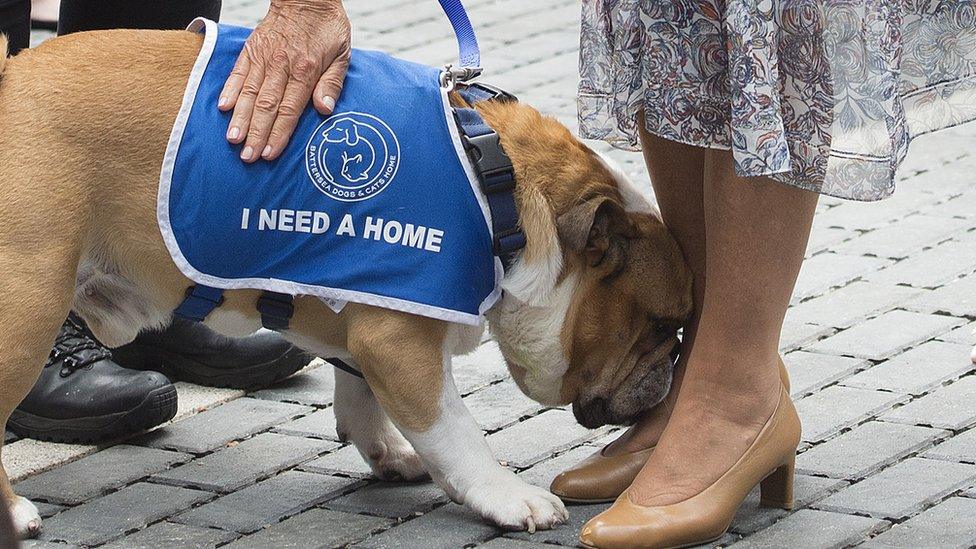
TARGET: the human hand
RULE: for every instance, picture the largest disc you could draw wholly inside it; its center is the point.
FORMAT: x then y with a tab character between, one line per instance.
300	51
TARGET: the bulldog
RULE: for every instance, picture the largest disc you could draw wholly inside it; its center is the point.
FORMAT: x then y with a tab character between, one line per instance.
588	316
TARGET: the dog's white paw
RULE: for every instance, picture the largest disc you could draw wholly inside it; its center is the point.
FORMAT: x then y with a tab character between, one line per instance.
515	505
394	459
27	520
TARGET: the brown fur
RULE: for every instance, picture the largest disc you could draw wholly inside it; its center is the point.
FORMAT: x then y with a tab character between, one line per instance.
84	121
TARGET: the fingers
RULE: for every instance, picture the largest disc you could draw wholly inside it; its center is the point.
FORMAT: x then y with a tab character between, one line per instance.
240	121
330	84
266	107
232	88
292	105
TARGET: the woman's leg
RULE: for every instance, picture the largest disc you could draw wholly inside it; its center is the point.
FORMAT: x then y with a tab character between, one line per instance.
85	15
677	172
757	231
15	23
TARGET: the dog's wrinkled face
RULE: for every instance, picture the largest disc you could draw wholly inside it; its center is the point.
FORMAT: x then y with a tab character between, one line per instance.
607	337
590	312
621	330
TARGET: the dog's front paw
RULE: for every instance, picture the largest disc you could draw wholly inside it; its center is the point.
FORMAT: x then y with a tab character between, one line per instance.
512	504
27	520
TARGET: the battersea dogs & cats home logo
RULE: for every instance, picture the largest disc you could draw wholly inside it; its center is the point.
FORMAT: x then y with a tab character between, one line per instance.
352	156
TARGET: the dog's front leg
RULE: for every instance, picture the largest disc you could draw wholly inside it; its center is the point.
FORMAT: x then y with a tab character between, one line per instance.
407	365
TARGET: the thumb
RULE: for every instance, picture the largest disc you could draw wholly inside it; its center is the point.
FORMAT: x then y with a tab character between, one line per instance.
330	85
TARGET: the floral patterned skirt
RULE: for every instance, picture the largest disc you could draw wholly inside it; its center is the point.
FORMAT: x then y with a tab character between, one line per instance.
821	94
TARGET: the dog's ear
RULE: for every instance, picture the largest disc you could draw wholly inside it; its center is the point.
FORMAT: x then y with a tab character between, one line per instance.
599	230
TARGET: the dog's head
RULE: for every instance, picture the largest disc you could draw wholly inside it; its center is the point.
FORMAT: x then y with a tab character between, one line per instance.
592	307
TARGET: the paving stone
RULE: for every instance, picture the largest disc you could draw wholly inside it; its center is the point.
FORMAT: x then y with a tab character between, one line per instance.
833	409
829	270
346	462
949	407
168	535
501	404
865	216
550	432
797	334
917	370
813	530
235	420
902	489
267	502
240	465
391	499
44	544
28	456
961	447
105	519
542	473
479	369
866	449
811	372
508	543
310	387
568	532
958	298
98	474
954	259
948	524
823	238
846	306
449	526
886	335
751	517
192	399
316	528
903	237
963	335
47	509
321	424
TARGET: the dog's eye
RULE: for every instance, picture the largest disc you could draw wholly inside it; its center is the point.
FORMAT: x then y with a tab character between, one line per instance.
661	329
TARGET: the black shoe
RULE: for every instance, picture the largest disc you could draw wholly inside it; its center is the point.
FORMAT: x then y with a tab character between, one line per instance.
82	396
189	351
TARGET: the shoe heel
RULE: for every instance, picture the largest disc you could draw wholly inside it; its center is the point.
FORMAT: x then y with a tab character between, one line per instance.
776	490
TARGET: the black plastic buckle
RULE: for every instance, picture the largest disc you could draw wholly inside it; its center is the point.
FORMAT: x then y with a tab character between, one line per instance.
490	160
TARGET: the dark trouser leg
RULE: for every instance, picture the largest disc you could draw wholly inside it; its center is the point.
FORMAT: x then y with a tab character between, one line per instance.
15	23
84	15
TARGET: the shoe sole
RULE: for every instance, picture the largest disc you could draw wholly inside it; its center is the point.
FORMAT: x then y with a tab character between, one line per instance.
180	368
158	407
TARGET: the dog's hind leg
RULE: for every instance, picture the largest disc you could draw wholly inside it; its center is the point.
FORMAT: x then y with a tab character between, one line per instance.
361	420
36	288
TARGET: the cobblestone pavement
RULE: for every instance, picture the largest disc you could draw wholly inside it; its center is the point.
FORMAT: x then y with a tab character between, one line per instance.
877	343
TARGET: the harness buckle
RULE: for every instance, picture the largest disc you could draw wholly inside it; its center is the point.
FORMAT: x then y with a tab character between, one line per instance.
451	77
491	160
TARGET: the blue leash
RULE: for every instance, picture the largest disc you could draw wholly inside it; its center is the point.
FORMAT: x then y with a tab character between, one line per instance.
469	53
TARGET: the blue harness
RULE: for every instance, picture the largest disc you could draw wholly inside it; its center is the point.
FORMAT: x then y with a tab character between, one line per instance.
395	200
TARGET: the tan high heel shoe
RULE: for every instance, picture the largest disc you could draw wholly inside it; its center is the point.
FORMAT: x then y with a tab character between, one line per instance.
601	478
706	516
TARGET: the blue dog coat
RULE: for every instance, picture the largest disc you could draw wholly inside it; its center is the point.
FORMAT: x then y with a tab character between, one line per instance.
376	203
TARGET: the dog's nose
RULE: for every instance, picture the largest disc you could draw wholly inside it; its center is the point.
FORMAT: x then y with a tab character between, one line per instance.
592	413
